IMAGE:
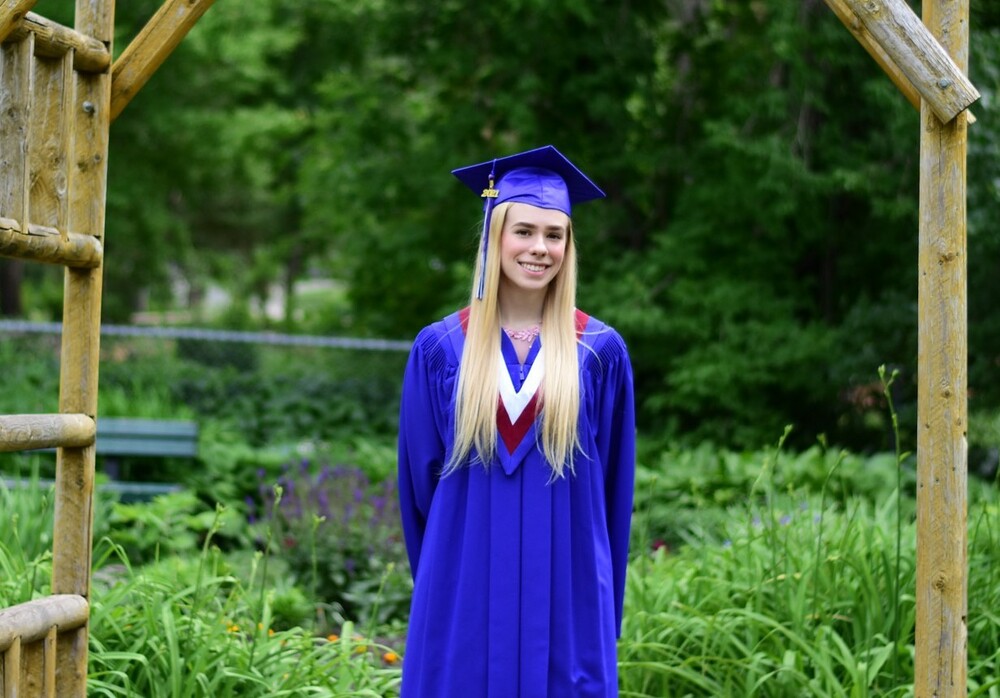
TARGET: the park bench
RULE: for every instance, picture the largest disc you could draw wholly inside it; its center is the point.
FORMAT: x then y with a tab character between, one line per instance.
148	438
119	437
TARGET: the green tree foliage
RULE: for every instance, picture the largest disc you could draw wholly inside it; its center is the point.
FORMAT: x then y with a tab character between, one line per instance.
758	246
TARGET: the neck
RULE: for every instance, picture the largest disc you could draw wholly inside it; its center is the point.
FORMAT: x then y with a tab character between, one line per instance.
520	309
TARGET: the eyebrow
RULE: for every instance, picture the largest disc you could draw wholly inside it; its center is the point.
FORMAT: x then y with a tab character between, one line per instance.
528	224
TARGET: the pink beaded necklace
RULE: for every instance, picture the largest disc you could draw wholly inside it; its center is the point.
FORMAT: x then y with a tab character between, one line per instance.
527	336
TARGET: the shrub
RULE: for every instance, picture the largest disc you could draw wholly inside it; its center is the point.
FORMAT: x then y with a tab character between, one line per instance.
683	495
341	536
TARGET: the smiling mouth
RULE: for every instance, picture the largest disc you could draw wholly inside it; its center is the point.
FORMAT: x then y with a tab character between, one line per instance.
533	267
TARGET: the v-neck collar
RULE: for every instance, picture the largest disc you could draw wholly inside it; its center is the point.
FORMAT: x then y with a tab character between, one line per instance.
518	403
519	436
518	371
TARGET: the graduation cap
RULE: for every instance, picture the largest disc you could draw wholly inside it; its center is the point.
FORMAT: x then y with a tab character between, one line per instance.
542	177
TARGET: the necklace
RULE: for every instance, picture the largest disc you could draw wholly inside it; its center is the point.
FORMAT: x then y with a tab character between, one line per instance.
528	336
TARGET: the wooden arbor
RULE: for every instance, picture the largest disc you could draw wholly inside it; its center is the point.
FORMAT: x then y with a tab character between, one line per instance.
59	94
928	61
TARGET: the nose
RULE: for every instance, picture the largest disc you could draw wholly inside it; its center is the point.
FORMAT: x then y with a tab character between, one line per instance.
538	245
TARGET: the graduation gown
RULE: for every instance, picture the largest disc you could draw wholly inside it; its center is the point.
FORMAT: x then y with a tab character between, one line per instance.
518	578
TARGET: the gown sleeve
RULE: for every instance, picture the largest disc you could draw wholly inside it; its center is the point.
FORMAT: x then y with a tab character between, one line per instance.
616	444
421	448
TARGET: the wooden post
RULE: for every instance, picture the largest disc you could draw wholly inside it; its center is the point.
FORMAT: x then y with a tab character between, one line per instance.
942	451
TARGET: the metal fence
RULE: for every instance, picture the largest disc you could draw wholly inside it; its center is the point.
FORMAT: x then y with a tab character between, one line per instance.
273	338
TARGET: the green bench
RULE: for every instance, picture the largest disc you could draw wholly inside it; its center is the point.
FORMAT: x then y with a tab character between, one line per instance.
147	438
119	437
160	438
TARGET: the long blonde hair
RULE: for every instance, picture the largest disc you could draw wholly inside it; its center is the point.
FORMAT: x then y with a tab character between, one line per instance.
478	388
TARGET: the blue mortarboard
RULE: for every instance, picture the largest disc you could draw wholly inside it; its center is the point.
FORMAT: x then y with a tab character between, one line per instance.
542	177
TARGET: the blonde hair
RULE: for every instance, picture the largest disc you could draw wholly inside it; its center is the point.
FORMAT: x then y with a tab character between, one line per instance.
478	387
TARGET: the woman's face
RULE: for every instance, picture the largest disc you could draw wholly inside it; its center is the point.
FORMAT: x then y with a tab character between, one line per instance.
532	246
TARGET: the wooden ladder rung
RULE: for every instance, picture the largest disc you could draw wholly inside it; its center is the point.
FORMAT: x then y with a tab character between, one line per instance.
32	620
25	432
45	244
53	40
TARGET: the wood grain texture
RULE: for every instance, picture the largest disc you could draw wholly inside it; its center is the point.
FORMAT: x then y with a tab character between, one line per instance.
53	40
942	401
15	106
11	14
30	622
49	663
49	246
939	80
56	88
48	142
20	432
11	673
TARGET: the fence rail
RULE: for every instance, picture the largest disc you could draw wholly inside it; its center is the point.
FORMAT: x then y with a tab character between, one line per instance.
274	338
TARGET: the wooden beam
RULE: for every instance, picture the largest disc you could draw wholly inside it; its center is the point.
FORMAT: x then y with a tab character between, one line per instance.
22	432
11	14
941	654
53	40
921	58
30	622
150	49
48	245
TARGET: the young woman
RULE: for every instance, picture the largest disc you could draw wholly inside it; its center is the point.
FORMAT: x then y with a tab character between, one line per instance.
516	461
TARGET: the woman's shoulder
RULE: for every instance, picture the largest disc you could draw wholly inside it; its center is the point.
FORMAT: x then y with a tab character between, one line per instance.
599	336
439	343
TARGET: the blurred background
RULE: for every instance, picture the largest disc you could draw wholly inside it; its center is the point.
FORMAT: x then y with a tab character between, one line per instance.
287	170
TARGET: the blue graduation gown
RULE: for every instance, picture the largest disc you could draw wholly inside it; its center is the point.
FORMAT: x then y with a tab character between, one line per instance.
518	579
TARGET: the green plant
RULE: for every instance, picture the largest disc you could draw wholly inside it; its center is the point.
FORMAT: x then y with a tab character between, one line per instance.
177	523
683	494
768	611
26	531
190	627
341	536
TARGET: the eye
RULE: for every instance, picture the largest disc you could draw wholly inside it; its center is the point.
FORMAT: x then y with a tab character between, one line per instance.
554	235
522	232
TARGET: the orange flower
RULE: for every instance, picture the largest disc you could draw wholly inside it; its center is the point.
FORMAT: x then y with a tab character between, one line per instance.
333	637
390	657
